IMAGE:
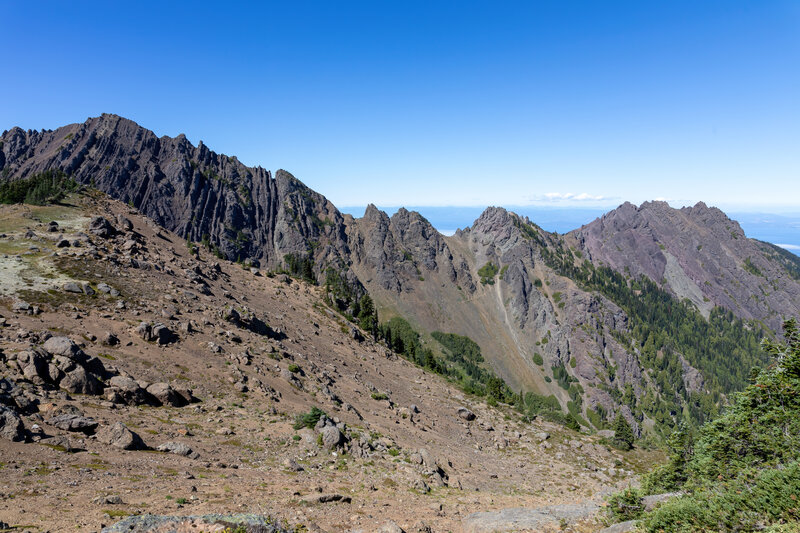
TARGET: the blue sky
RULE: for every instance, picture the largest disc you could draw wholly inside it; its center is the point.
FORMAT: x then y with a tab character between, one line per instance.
440	103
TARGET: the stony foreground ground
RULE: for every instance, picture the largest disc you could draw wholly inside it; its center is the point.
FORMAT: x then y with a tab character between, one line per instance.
215	361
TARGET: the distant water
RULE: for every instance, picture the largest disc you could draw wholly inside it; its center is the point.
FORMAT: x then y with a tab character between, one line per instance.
782	230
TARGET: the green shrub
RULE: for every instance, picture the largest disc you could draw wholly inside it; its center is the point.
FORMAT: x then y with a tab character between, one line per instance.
626	505
293	368
308	420
745	504
487	273
537	359
379	396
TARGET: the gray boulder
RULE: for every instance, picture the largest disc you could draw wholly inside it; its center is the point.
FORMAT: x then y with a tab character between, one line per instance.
331	437
523	519
121	437
166	395
124	223
178	448
11	426
73	287
101	227
79	381
129	391
62	346
74	422
466	414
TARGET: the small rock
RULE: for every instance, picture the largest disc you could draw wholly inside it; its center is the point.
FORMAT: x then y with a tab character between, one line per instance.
329	498
178	448
73	287
109	339
390	527
466	414
292	465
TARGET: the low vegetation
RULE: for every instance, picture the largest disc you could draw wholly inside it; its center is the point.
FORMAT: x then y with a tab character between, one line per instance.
40	189
662	329
742	471
487	273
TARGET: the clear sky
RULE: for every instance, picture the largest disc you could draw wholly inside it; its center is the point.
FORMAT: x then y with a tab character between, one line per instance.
439	103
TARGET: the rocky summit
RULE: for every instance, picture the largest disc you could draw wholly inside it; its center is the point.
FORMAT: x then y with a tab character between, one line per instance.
181	334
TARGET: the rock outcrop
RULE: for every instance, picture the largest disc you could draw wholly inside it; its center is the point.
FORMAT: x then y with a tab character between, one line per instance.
697	253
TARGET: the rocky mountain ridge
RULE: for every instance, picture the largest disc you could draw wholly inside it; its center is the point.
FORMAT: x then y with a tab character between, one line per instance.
141	375
530	299
697	253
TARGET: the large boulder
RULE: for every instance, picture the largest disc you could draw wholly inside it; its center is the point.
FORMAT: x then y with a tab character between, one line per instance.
79	381
11	426
74	422
101	227
121	437
166	395
129	391
331	437
62	346
155	333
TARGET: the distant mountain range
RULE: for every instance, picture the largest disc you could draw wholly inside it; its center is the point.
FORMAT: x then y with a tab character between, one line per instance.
651	311
780	229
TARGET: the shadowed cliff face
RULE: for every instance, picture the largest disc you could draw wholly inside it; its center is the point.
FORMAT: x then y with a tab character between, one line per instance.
696	253
246	212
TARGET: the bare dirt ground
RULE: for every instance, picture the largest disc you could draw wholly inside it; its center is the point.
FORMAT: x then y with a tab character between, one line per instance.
417	462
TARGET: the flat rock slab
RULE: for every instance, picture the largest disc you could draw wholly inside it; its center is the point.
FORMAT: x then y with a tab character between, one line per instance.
149	523
523	519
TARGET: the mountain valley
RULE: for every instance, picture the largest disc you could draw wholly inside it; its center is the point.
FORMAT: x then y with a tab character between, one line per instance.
203	303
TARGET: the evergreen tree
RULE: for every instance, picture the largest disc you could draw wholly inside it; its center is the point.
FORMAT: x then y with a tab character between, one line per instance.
623	434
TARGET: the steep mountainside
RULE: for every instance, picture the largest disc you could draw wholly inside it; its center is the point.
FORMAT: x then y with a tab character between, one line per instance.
595	340
528	330
696	253
200	195
149	377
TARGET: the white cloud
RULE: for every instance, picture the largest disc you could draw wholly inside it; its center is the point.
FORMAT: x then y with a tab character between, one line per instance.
570	197
788	246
